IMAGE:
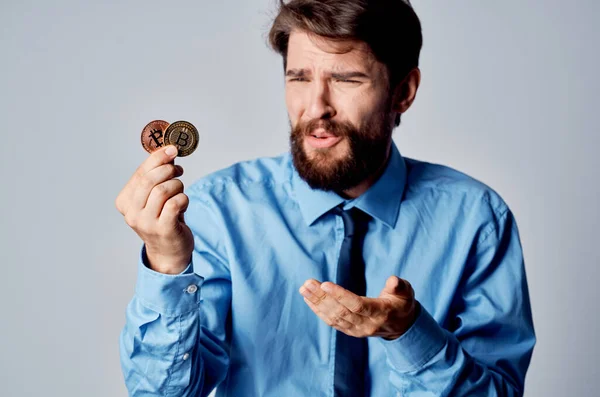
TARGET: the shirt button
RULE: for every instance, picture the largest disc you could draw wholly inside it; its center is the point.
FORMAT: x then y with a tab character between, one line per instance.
186	356
191	289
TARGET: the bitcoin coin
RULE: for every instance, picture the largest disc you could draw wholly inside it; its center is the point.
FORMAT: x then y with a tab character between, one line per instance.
153	135
183	135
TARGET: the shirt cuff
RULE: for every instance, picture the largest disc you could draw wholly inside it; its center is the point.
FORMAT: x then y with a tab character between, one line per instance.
168	294
423	340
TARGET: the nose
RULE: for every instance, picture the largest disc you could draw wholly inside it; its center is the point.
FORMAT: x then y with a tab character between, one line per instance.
320	106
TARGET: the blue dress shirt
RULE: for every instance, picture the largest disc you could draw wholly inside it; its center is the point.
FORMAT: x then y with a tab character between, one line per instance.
234	319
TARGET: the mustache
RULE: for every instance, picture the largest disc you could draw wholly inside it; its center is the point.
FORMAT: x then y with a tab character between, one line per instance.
335	128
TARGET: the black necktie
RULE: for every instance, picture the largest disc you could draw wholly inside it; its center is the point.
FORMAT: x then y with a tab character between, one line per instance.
351	353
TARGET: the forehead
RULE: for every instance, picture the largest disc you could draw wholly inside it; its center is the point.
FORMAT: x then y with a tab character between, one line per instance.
306	50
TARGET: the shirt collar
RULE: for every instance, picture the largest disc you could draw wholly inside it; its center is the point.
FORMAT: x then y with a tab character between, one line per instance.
381	200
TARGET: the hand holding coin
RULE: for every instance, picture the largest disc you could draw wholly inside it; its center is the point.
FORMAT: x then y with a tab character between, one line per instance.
153	203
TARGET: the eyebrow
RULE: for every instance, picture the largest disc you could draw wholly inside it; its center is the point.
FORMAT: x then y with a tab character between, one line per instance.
335	75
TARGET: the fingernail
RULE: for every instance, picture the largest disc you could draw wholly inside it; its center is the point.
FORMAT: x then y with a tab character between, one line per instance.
326	287
171	150
311	287
305	292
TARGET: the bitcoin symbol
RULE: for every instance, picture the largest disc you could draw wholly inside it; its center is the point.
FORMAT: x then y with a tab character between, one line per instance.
182	140
155	135
183	135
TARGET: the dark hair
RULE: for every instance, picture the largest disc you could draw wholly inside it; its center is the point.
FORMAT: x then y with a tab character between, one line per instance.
390	28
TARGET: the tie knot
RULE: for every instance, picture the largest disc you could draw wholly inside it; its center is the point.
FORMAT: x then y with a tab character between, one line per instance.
355	220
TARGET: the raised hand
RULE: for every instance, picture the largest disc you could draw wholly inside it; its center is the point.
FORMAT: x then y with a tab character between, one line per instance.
153	204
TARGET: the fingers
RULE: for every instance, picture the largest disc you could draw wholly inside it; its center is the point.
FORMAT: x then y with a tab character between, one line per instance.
328	308
172	212
160	194
156	159
152	179
356	304
338	323
134	195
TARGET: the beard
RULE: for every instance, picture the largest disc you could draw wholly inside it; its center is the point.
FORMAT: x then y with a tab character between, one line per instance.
323	168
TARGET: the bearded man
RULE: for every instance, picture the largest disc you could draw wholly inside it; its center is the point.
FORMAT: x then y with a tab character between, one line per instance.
339	268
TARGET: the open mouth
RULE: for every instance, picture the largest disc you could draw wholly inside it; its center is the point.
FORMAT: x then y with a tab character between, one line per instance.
321	133
320	141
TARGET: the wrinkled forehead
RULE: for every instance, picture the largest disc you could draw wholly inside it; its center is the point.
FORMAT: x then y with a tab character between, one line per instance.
307	49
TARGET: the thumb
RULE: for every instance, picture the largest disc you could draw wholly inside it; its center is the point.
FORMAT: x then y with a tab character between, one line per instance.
396	286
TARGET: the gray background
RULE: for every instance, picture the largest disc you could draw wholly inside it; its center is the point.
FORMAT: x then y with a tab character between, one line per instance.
509	95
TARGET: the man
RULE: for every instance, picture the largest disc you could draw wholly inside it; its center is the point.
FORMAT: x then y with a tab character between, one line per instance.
340	268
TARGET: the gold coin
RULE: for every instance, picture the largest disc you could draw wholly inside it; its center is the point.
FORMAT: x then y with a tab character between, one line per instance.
183	135
153	135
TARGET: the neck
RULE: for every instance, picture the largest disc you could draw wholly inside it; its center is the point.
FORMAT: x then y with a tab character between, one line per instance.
367	183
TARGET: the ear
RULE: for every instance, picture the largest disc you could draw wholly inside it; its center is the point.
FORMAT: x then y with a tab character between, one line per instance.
406	91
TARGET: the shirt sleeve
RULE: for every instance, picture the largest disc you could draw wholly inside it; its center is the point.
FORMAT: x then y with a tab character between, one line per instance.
174	342
487	350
